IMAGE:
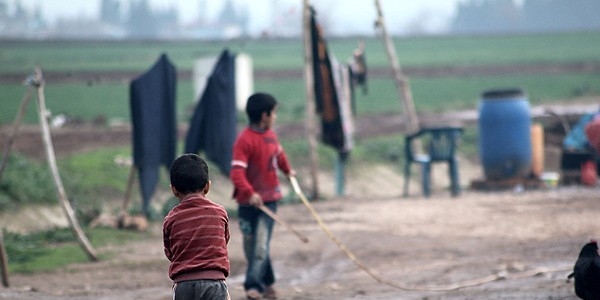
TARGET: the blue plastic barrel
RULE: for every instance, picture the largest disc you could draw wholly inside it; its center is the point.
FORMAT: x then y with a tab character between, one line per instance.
504	134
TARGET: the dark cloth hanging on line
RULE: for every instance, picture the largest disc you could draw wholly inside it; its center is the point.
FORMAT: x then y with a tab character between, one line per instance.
333	94
213	126
152	98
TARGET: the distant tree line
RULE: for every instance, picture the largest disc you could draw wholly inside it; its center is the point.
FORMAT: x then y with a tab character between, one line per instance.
501	16
141	21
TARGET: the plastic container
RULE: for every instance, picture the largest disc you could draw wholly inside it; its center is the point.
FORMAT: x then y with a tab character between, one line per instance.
505	134
550	179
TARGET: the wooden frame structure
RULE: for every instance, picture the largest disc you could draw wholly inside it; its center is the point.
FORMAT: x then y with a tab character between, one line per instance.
36	81
400	79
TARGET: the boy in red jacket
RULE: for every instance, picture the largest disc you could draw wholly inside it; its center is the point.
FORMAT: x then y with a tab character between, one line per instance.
195	234
257	157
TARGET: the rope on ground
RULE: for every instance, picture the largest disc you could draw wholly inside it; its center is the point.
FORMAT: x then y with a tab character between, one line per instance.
419	288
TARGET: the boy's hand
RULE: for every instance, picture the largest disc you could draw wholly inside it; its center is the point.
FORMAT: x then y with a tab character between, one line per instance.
291	174
256	200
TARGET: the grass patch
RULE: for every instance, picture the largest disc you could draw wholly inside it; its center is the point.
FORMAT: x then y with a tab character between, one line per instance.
58	248
95	172
90	180
93	179
25	182
386	149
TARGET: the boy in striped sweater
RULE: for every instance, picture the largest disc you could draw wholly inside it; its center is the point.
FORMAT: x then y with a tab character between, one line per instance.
195	234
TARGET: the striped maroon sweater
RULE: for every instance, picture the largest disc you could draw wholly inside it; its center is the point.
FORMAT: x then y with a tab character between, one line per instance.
195	237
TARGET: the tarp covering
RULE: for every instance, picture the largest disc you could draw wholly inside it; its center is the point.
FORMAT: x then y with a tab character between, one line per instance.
576	139
152	99
213	125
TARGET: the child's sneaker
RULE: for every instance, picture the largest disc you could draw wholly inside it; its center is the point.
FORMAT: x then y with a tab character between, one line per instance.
253	294
270	293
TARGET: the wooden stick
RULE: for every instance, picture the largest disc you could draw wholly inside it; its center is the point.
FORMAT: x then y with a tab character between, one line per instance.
62	195
399	77
276	218
16	125
126	197
3	261
309	87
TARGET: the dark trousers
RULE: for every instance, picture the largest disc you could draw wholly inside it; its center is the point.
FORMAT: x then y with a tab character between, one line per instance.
200	290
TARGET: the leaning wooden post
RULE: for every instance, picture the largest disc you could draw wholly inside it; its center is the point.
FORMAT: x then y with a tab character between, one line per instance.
16	125
3	261
309	84
400	79
127	197
62	195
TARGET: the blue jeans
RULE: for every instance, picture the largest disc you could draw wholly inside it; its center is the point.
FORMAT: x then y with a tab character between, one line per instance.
256	228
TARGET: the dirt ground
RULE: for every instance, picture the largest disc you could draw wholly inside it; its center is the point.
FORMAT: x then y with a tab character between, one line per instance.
529	237
515	243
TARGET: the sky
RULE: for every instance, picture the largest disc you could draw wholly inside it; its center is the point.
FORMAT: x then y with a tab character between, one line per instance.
356	16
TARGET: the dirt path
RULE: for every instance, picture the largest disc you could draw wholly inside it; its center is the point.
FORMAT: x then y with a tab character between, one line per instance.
413	242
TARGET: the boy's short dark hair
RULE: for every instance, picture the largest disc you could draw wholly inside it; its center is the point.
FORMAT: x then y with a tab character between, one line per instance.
257	104
189	173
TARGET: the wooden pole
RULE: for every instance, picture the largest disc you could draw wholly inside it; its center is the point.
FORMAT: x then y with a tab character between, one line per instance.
3	261
401	80
62	195
127	197
311	128
340	174
7	150
16	125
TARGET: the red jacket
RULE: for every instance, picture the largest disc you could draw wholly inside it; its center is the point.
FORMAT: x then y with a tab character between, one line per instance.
195	237
257	157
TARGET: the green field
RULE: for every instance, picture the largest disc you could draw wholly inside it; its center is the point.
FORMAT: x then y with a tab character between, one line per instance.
287	54
431	93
